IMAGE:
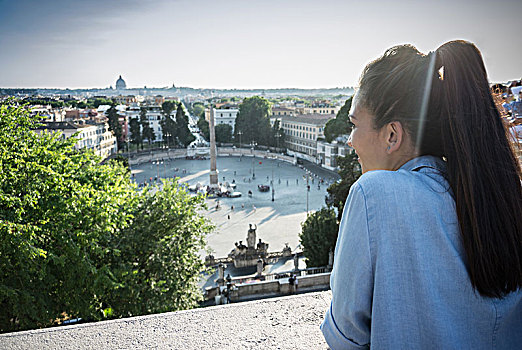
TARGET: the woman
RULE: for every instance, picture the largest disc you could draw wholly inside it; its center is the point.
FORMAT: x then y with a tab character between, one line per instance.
429	253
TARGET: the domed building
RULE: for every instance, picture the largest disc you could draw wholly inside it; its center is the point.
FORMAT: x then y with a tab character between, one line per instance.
120	84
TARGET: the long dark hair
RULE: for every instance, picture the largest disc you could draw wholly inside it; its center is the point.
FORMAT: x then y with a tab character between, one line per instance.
444	101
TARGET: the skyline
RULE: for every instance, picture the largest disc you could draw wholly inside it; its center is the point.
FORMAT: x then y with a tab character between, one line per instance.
236	44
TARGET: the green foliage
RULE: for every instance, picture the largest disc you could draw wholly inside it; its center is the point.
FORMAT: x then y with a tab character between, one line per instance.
123	160
97	102
184	135
115	126
158	267
318	236
340	124
44	102
349	170
223	133
169	129
204	127
277	135
168	107
198	109
135	132
253	121
78	239
90	103
146	131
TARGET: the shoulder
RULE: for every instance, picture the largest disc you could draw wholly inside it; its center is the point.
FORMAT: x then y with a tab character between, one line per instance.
384	186
384	181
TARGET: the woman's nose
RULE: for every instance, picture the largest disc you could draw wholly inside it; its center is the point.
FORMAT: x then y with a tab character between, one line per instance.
350	140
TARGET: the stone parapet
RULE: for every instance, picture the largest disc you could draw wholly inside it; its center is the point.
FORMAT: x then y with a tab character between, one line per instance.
290	322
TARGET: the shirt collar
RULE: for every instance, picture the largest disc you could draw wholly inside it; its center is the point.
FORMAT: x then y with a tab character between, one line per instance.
424	162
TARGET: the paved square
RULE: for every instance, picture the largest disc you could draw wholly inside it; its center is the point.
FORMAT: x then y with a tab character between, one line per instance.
278	222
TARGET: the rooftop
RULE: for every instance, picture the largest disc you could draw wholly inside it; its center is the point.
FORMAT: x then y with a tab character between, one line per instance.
318	119
290	322
61	126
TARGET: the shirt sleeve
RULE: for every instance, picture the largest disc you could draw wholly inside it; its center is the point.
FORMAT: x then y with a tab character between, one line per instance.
347	321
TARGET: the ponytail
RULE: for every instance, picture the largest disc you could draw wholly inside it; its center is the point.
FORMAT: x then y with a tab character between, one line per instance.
482	170
461	123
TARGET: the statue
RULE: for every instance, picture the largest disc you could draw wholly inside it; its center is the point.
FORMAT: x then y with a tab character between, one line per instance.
242	248
262	247
287	251
251	237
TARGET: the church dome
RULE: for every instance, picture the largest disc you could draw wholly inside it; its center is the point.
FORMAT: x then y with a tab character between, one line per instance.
120	84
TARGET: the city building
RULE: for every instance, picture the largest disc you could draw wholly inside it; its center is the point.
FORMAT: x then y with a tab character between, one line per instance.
280	111
303	131
92	134
327	153
47	113
120	84
322	109
223	116
154	115
126	100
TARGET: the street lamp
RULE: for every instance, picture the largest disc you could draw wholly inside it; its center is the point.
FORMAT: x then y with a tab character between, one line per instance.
157	163
164	169
307	190
240	153
253	144
273	190
167	136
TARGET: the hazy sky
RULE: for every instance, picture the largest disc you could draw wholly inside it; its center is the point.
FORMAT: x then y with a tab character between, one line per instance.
238	44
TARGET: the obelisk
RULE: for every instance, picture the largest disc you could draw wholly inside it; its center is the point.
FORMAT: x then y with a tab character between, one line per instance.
213	167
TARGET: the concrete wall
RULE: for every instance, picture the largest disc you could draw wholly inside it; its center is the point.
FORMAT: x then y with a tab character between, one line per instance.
290	322
279	287
143	157
307	157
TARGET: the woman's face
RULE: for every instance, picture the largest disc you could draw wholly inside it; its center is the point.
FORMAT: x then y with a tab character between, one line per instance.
368	143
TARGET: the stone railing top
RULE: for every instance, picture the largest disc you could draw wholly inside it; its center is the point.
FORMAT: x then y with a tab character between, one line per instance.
290	322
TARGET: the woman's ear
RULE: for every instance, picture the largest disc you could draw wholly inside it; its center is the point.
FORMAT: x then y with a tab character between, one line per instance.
394	136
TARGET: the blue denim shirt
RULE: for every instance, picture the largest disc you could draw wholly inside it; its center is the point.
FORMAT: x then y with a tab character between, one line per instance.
399	279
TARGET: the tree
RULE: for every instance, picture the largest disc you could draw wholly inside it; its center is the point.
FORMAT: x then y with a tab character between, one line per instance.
168	124
77	239
349	170
115	126
168	107
59	210
340	124
278	135
135	132
198	109
318	236
100	101
185	137
223	133
204	127
253	121
146	130
159	266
